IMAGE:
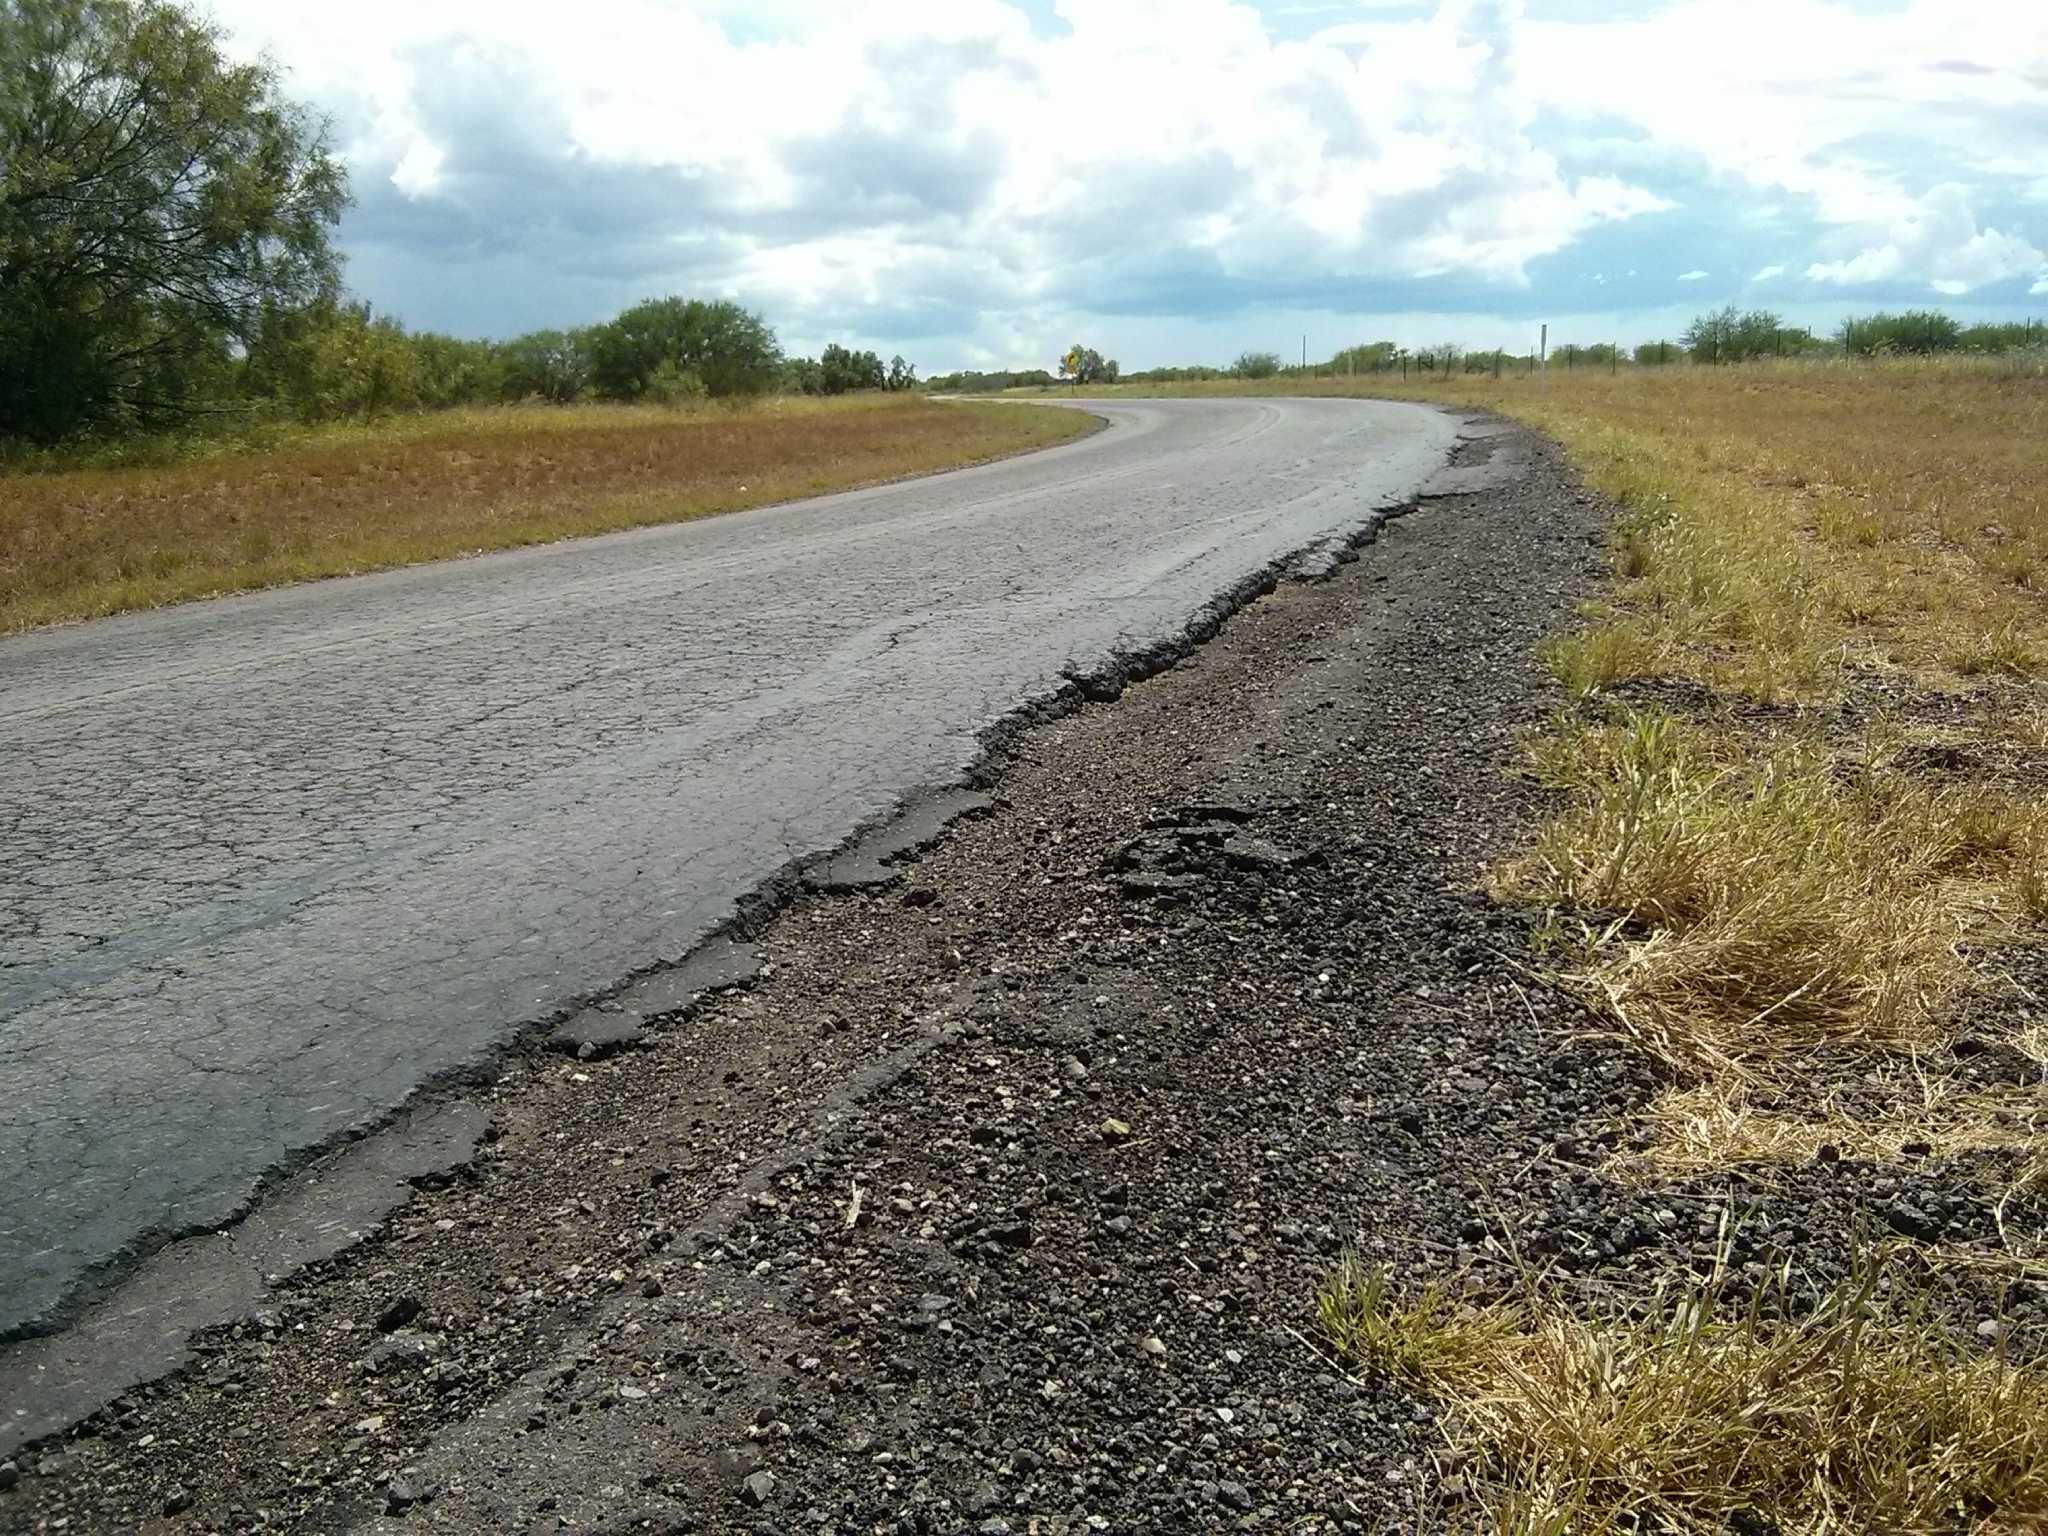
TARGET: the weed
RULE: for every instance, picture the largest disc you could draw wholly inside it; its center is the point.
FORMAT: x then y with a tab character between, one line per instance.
2009	649
1856	1414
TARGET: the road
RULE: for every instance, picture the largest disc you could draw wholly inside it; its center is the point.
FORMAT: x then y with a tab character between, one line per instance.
275	863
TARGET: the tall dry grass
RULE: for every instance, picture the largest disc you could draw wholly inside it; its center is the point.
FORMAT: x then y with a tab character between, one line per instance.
78	543
1854	1416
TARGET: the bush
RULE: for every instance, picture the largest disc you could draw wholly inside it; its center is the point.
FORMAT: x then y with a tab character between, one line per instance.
2003	338
729	348
1375	357
1734	336
1918	332
1255	365
673	385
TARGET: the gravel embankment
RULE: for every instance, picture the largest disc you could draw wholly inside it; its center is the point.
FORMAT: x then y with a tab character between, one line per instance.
997	1201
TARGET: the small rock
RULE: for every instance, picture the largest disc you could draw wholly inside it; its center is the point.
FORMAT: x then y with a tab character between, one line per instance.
402	1493
176	1501
758	1489
1236	1495
1114	1131
10	1474
400	1311
1154	1345
650	1288
633	1394
1909	1220
409	1352
1075	1069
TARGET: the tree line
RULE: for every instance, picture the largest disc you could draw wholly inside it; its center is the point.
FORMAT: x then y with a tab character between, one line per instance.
166	258
1728	335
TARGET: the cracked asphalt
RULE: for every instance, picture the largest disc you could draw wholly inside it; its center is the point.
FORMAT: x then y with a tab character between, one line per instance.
275	863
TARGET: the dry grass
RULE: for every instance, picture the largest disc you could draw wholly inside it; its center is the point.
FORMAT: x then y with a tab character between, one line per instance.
1773	891
1859	547
1905	1115
1858	1417
80	543
1784	885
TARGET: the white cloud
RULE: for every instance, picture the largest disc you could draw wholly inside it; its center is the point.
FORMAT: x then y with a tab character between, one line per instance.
827	151
1859	113
948	168
1938	241
1765	274
1693	276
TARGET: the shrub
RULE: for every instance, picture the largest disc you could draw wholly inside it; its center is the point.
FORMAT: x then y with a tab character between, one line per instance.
1915	331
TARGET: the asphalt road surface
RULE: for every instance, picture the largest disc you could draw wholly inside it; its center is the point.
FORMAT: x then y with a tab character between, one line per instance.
269	865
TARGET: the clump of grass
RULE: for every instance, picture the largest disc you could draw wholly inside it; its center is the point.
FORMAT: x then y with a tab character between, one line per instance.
1857	1416
1591	659
2008	650
1760	906
1718	1124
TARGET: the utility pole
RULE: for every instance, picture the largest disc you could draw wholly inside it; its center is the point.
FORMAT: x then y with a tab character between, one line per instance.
1543	353
1304	352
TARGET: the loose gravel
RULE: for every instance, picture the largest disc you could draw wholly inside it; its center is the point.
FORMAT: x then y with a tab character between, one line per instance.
996	1200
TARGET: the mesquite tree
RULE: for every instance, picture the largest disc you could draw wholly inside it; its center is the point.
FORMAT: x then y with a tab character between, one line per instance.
157	202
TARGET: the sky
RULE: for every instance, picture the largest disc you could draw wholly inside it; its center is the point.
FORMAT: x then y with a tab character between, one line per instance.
980	183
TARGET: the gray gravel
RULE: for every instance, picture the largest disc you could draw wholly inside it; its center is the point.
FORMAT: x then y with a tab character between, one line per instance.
275	863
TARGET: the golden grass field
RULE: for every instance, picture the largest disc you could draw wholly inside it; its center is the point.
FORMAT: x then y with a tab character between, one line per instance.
1801	851
79	543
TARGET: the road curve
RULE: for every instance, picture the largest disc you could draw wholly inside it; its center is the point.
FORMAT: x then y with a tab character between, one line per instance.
272	863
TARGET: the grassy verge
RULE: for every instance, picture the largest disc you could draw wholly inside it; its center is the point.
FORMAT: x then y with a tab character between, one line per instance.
1800	858
81	542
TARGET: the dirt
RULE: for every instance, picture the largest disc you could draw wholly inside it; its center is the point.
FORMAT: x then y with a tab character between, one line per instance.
997	1200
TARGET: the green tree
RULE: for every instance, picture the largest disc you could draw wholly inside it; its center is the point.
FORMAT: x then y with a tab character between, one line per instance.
1736	336
730	349
803	376
1256	365
453	371
156	201
545	365
842	371
1085	365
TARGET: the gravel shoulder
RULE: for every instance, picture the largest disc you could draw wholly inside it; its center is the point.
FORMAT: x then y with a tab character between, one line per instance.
996	1199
